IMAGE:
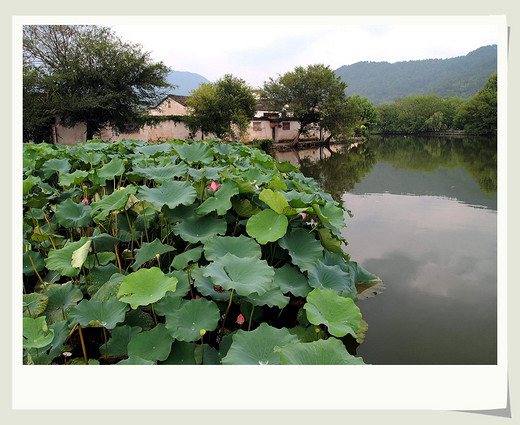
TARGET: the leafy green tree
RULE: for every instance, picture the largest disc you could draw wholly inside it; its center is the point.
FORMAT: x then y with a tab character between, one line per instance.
223	108
312	95
479	114
86	74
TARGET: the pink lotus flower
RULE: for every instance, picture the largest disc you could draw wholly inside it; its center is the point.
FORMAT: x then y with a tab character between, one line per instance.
303	215
85	201
240	319
214	186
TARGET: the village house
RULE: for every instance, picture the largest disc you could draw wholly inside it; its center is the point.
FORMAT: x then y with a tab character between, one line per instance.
266	124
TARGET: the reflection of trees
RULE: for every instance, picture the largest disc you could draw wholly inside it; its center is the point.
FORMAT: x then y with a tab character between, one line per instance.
339	172
478	155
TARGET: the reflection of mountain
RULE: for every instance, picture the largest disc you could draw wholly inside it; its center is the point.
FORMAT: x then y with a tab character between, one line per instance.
454	183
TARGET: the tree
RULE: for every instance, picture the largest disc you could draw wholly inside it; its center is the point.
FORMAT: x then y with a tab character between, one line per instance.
479	114
223	108
86	74
312	95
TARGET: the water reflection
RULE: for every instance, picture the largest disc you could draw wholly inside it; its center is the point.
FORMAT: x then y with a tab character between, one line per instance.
425	221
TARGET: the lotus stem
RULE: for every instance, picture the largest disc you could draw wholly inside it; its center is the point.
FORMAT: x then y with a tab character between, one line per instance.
118	260
34	268
189	280
154	316
250	319
227	309
82	344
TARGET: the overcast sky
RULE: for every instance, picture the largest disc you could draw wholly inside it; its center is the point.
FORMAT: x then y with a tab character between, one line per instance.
255	51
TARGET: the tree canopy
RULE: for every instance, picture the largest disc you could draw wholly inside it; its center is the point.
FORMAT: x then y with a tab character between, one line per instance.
223	108
312	95
85	73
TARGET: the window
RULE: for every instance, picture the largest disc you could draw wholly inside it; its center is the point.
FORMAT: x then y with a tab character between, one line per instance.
257	126
286	125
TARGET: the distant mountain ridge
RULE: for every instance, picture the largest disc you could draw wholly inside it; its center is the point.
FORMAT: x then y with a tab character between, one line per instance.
185	82
383	82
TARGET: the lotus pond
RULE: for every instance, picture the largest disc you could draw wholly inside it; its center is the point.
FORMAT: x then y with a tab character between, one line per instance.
183	253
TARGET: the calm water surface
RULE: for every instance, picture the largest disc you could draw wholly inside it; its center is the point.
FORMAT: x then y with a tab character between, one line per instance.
425	221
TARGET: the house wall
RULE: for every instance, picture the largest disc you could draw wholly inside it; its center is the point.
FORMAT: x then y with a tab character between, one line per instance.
169	107
71	135
165	130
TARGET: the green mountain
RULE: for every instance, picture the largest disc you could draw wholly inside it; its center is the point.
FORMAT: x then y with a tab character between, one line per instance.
184	82
383	82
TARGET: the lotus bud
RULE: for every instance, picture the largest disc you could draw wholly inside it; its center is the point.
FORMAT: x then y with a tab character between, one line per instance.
240	319
202	332
214	186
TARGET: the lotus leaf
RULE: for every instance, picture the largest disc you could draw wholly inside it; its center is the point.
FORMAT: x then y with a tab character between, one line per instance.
37	260
329	277
154	150
221	202
206	286
244	207
267	226
148	251
183	286
109	289
195	152
321	352
117	345
285	167
277	202
340	315
116	201
359	273
136	360
99	275
154	344
168	304
258	347
80	255
244	275
36	334
69	214
241	246
55	165
271	298
61	298
304	249
139	318
186	323
48	353
28	184
329	242
99	259
145	286
196	229
290	279
72	179
34	304
277	184
99	313
104	242
162	174
190	256
189	353
115	167
171	193
60	259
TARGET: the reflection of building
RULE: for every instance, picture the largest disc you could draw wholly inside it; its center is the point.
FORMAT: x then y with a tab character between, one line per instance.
265	125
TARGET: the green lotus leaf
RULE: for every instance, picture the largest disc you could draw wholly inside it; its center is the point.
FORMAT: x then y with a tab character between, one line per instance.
286	167
290	279
136	360
153	150
244	275
271	298
277	184
307	334
299	199
99	275
117	345
69	214
183	286
340	315
55	165
34	304
304	249
60	259
145	286
37	260
36	334
104	242
258	347
267	226
162	174
193	316
196	229
277	202
322	276
61	298
361	333
329	242
148	251
195	152
48	353
93	158
70	179
189	353
221	201
359	273
154	344
241	246
322	352
168	304
116	201
99	313
109	289
171	193
244	207
114	168
40	235
190	256
331	216
28	184
80	255
206	286
99	259
139	318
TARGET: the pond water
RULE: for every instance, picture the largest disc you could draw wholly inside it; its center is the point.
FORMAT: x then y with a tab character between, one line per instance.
425	222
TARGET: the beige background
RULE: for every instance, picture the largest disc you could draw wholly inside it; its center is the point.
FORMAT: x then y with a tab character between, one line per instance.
240	7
